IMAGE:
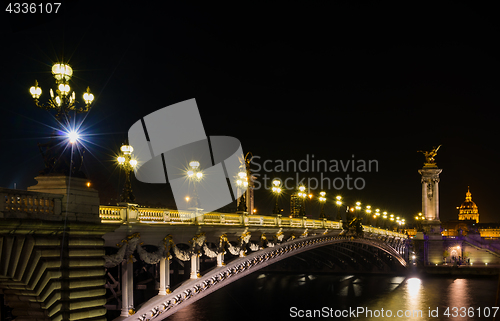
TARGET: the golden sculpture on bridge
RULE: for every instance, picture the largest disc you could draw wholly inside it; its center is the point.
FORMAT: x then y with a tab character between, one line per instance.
429	156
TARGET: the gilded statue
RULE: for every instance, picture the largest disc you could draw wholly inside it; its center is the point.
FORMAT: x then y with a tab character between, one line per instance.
429	156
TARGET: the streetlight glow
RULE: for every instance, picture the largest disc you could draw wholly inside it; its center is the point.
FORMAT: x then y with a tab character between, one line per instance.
126	161
73	136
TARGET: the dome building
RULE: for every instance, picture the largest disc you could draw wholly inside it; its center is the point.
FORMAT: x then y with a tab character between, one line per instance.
468	210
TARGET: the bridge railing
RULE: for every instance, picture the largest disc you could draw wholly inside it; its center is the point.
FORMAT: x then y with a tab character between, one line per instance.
376	230
127	213
13	201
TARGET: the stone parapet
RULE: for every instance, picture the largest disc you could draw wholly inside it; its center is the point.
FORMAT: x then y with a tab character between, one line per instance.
79	201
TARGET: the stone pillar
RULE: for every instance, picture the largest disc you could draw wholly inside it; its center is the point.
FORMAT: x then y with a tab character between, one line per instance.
127	287
194	266
430	193
164	276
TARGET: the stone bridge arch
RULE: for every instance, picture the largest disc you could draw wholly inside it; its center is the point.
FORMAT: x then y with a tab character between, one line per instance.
160	307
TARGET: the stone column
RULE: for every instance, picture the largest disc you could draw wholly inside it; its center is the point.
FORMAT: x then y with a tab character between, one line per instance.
194	266
164	276
430	193
127	287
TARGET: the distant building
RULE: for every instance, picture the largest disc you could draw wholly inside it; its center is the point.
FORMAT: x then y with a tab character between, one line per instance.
468	222
489	230
295	205
468	210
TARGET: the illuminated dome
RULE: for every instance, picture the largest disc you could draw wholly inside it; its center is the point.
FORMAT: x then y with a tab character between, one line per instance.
468	210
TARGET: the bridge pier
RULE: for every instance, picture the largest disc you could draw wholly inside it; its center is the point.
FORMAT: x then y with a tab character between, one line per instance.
127	287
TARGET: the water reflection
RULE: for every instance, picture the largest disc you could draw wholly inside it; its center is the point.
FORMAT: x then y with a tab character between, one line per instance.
413	288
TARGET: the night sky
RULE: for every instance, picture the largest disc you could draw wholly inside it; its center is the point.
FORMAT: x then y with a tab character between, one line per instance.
377	81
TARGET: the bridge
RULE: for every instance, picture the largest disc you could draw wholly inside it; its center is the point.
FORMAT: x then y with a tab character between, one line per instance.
212	234
67	258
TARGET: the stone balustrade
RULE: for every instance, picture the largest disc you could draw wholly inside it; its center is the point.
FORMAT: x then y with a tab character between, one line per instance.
19	203
131	213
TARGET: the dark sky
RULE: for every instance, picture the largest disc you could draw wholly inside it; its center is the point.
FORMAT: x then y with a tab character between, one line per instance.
377	81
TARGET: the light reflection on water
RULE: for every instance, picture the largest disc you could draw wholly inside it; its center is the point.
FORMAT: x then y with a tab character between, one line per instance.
270	297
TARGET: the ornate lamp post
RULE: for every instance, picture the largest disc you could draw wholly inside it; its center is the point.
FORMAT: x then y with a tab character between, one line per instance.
62	101
358	208
419	218
59	159
302	194
368	211
126	161
322	199
384	216
195	175
339	203
376	216
276	191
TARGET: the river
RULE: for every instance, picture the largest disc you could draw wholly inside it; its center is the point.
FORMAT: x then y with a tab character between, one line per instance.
274	296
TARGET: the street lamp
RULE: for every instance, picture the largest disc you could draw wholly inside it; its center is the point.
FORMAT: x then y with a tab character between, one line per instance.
339	203
419	218
384	216
322	199
242	182
358	208
126	161
195	175
302	194
62	101
376	216
57	158
368	211
276	191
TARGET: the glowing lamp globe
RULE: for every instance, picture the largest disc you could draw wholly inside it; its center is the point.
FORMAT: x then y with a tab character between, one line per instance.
62	72
127	149
73	137
35	91
88	97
